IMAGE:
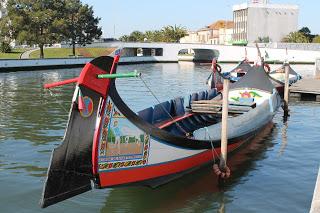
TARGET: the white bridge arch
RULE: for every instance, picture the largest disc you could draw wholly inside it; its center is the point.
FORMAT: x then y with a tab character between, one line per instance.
168	52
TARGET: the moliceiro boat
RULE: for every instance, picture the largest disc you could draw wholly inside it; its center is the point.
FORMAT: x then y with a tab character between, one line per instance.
278	77
109	145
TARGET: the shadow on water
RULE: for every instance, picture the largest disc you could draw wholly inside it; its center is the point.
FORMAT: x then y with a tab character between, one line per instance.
195	192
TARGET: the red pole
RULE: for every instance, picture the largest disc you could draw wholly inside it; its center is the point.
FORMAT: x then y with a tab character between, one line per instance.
115	61
60	83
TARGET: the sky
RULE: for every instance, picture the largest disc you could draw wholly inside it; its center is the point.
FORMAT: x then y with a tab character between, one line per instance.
121	17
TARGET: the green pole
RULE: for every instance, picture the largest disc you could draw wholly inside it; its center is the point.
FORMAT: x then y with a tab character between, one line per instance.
120	75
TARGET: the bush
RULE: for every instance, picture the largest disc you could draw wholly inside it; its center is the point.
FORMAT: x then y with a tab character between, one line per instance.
5	47
316	39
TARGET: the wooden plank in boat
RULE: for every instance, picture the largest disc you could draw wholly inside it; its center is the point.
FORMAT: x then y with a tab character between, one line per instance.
214	112
218	108
237	103
232	109
206	108
219	103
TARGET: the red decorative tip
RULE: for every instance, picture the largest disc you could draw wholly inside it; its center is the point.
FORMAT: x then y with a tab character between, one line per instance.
116	58
214	64
80	101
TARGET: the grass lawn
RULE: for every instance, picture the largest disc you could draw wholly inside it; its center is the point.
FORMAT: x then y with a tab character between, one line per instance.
67	52
15	54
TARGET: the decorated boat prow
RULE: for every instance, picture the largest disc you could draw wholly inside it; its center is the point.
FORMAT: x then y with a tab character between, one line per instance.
240	70
70	170
215	80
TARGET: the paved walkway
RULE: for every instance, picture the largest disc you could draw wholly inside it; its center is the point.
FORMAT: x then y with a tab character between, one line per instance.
315	205
26	54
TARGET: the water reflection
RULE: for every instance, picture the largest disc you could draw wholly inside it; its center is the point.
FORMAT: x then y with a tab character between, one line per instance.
32	170
195	192
32	123
284	141
27	111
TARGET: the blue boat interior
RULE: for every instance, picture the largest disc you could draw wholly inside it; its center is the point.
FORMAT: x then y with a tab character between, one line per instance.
173	115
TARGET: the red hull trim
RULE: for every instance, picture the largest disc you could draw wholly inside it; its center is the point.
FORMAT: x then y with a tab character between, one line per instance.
131	175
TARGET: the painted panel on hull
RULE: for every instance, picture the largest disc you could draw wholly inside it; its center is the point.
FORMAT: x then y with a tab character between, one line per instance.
121	143
248	94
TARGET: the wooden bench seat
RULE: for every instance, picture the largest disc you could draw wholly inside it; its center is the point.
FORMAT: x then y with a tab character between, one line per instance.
215	107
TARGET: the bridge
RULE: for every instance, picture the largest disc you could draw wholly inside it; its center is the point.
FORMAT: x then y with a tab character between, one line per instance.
169	52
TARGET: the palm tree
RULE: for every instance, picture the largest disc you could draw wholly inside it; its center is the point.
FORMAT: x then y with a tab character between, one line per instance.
136	36
173	33
124	38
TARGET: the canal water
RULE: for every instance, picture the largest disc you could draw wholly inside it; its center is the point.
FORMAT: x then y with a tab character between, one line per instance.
275	173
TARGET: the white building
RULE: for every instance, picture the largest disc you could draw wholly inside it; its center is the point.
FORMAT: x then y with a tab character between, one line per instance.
259	19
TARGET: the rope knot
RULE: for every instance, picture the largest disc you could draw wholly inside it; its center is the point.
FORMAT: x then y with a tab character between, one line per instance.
224	174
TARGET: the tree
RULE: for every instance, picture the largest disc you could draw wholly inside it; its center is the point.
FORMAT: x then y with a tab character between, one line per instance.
154	36
166	34
296	37
173	33
5	47
33	22
5	30
2	4
124	38
149	35
307	33
316	39
136	36
80	24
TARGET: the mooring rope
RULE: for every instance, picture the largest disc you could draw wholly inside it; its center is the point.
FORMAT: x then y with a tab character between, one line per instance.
213	150
56	99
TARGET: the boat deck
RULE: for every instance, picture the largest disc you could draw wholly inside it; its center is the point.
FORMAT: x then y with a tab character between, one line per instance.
305	90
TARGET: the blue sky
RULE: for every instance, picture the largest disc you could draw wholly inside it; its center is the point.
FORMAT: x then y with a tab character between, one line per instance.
142	15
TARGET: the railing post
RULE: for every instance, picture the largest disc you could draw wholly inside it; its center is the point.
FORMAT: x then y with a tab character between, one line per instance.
286	90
